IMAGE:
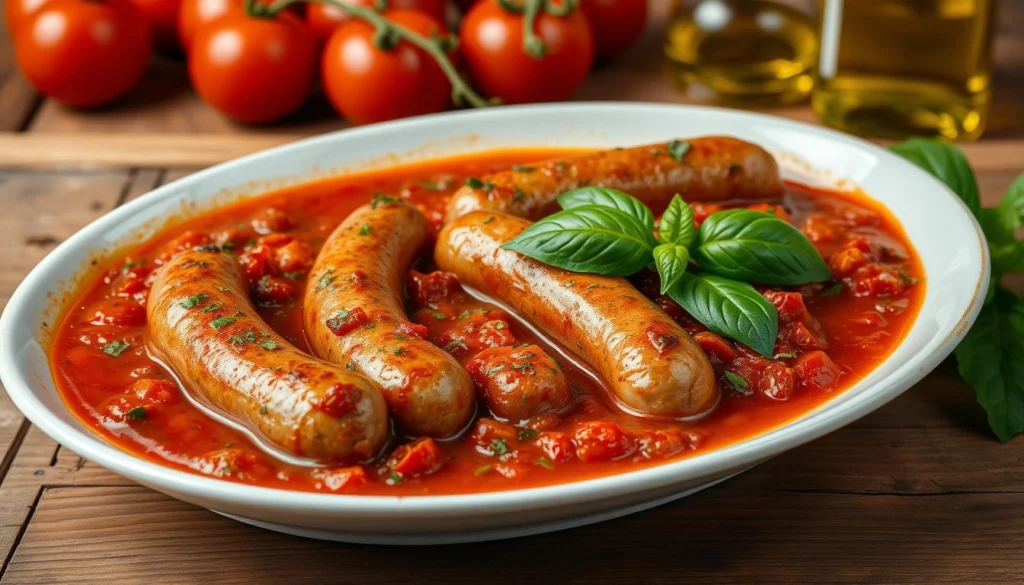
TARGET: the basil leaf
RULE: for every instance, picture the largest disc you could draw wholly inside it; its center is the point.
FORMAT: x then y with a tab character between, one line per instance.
677	225
671	262
1014	196
608	198
991	359
600	240
947	164
730	308
754	246
1000	224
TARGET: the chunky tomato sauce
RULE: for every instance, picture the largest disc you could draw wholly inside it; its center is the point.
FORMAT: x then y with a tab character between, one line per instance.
831	335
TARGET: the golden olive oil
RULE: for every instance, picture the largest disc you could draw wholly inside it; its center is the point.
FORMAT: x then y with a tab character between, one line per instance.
753	52
898	68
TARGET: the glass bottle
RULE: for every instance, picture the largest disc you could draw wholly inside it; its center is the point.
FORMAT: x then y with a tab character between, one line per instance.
742	52
898	68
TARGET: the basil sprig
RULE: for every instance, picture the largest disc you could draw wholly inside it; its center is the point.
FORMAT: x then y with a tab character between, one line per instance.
991	356
608	232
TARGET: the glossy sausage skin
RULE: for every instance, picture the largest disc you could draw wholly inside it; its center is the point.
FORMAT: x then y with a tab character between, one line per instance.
652	366
713	169
355	316
203	326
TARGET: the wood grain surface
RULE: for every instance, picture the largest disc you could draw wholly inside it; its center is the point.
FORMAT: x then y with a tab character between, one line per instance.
916	492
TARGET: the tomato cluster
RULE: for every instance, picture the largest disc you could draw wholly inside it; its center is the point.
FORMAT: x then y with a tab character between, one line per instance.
256	61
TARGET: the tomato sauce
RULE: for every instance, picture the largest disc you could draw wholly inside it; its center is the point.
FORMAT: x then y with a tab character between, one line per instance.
831	335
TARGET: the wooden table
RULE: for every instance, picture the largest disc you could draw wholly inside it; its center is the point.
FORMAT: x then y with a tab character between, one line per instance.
917	492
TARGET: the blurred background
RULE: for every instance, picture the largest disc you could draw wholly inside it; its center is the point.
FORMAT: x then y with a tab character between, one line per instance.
211	79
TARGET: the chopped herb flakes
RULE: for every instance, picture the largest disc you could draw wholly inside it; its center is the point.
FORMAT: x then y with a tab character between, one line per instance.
382	199
677	149
246	337
433	185
545	463
116	348
210	308
833	290
499	447
456	346
397	351
365	230
269	344
194	300
294	275
326	279
526	434
483	469
263	409
438	315
221	322
129	264
137	413
394	478
351	366
519	194
489	219
522	169
474	183
736	380
784	356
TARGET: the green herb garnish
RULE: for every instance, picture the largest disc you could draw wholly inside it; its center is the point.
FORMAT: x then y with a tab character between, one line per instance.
116	348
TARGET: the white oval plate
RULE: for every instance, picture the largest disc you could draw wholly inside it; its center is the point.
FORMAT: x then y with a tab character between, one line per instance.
947	239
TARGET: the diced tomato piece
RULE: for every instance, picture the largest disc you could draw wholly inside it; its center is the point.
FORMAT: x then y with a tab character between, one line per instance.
820	228
663	443
877	280
715	347
254	263
412	330
846	261
774	209
557	447
602	441
816	371
144	399
517	383
347	321
119	312
293	257
859	216
189	430
790	305
341	479
231	462
275	291
862	243
270	220
775	382
339	400
801	336
416	459
496	333
487	430
426	289
131	286
234	240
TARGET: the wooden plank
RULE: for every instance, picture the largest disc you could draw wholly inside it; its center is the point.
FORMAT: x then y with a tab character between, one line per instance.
131	535
30	150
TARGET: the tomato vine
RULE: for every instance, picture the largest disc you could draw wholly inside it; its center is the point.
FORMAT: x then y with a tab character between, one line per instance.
531	10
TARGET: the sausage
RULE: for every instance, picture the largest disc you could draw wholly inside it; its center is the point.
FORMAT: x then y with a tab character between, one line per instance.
203	326
519	383
713	169
354	315
650	363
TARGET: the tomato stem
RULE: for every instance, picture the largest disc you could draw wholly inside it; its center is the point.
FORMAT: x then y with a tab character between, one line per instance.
388	34
533	44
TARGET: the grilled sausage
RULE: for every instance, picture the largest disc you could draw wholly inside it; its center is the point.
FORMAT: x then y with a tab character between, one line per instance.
652	366
203	326
712	169
354	315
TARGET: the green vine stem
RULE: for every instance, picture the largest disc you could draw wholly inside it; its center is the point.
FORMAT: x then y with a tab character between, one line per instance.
388	34
533	45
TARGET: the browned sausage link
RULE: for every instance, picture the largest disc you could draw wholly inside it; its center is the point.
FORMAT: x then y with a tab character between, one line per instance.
652	366
355	316
203	326
713	169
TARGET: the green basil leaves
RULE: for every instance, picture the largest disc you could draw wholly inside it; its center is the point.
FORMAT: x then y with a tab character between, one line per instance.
608	232
754	246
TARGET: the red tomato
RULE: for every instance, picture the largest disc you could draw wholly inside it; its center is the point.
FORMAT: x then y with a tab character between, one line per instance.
17	11
84	54
492	43
253	70
616	25
367	84
194	14
163	19
324	18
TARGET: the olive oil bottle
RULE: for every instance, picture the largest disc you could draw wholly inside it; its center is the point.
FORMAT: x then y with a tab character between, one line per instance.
742	52
898	68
